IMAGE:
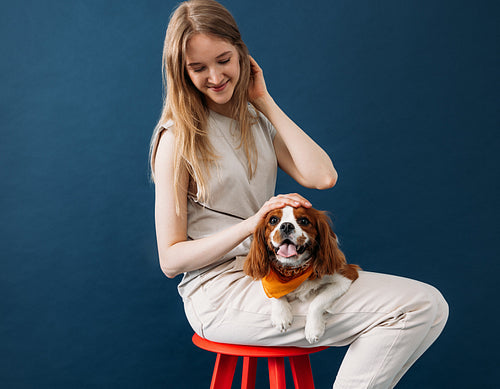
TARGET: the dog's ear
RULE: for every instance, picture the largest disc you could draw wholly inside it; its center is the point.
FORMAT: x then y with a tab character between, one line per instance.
328	258
257	263
350	271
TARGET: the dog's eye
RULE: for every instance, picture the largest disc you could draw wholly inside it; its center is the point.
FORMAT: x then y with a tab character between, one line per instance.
273	220
303	221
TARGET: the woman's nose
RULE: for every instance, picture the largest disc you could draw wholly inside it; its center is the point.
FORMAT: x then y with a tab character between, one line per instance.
215	77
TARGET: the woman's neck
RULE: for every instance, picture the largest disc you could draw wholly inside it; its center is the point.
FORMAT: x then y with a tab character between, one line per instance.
221	109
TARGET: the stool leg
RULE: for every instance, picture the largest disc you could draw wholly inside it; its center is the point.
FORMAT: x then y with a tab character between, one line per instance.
301	371
277	379
222	377
248	373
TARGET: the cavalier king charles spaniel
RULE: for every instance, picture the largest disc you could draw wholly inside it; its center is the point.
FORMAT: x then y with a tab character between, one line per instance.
295	254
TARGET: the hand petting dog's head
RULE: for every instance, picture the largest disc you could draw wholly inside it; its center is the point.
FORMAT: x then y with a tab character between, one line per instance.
291	238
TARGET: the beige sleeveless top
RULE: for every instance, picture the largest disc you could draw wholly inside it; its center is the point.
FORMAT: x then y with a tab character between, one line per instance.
232	196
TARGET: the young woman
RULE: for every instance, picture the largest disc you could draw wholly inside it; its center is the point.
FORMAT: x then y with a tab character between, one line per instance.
214	157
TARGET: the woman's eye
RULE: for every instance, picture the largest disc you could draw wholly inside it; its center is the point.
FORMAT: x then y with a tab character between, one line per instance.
273	220
197	70
304	221
224	61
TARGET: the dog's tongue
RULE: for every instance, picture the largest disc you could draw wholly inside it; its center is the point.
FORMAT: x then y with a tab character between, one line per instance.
287	250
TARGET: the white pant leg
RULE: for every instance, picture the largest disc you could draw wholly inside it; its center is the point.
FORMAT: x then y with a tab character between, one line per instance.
435	330
383	352
388	321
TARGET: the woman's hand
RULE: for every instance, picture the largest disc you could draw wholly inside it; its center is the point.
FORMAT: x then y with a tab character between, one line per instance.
257	90
292	199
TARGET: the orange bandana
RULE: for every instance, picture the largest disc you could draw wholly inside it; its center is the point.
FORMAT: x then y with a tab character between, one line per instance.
275	287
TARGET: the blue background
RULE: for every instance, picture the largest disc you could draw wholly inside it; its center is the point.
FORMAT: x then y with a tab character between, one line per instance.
402	94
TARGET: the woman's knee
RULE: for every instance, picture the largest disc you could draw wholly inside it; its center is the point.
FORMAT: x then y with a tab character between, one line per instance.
434	304
441	305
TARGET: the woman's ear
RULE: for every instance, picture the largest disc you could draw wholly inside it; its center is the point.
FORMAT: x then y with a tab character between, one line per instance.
257	262
328	258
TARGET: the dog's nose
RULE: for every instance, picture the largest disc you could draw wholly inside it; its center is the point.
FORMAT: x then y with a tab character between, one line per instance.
286	228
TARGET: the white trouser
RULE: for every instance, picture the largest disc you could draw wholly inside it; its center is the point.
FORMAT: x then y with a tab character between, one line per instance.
388	321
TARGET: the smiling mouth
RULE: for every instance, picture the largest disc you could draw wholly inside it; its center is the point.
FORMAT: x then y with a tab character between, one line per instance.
288	249
218	88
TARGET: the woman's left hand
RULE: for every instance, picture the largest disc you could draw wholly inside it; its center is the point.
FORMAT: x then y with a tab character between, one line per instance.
257	89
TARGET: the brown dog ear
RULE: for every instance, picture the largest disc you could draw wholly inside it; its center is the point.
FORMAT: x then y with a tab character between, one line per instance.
328	258
257	262
350	271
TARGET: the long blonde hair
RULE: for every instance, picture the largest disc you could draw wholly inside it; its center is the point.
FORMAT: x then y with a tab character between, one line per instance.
185	105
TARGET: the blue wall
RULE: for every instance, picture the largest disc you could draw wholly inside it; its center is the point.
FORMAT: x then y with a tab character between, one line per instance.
402	94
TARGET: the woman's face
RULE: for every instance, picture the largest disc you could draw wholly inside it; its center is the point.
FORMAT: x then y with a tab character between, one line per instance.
213	65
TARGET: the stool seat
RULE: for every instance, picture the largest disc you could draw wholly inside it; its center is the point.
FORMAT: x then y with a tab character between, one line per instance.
227	357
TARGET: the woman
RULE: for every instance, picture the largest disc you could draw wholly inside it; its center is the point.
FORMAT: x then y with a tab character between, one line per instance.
214	158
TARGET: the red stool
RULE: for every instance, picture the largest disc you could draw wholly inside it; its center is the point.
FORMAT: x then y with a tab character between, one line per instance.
227	356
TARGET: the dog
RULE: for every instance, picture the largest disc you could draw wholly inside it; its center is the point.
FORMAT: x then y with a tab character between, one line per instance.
295	254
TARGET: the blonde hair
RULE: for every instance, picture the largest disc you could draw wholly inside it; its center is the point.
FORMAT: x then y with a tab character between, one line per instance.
185	105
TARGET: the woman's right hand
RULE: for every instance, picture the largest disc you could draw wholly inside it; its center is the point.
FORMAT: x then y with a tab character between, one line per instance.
280	201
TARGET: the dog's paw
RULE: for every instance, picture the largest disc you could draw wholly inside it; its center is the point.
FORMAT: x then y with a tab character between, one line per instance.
314	330
282	318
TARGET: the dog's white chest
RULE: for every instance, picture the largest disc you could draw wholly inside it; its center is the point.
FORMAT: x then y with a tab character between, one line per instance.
311	288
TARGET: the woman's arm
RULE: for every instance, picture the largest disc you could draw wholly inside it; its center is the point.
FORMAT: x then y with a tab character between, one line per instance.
177	254
298	155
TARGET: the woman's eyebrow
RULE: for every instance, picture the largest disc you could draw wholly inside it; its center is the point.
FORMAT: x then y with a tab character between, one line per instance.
191	64
224	53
